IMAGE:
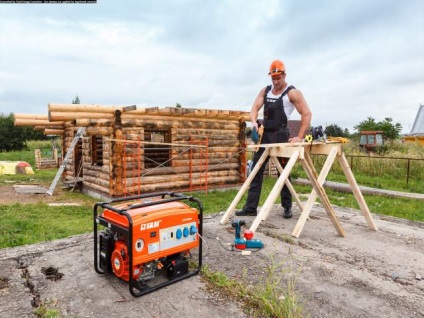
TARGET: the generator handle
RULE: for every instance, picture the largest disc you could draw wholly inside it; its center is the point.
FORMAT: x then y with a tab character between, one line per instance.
175	196
140	196
199	203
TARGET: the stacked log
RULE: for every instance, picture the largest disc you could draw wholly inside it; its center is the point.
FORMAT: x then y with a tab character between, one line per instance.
66	112
41	123
184	184
54	132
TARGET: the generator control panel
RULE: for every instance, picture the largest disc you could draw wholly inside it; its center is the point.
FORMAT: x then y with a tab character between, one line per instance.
177	235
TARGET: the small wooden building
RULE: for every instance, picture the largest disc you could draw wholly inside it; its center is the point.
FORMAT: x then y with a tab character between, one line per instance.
127	151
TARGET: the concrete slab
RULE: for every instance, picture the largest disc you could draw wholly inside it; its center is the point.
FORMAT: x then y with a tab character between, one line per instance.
366	274
30	189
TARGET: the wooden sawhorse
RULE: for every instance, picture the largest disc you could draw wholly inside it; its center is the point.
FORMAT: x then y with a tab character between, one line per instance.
301	151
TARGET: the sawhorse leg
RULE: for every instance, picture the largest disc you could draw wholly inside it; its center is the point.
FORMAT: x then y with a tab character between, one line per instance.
244	187
313	196
311	172
357	192
266	208
288	183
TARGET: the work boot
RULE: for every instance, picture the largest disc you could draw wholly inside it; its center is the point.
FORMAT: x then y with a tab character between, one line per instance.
287	214
246	213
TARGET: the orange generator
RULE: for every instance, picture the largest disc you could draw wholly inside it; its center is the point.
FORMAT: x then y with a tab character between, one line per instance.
147	236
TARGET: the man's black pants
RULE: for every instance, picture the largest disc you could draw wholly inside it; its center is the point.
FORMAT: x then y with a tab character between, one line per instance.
255	188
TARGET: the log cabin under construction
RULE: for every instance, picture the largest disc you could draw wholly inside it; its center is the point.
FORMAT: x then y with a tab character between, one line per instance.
126	151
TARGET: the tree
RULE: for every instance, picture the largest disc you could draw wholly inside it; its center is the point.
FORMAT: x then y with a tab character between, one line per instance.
390	130
13	137
178	105
368	124
336	131
76	100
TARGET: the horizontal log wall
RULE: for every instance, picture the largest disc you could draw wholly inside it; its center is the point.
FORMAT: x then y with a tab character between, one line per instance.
221	158
125	161
181	177
106	161
160	123
185	184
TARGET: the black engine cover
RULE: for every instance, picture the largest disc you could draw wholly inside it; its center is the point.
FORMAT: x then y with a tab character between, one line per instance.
106	249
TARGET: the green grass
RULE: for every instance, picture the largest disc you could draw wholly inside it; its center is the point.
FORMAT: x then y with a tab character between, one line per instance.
273	295
28	155
378	173
219	200
29	224
410	209
25	155
40	176
47	310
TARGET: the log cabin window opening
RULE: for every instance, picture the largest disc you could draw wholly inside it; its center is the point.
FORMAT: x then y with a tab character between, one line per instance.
157	155
97	150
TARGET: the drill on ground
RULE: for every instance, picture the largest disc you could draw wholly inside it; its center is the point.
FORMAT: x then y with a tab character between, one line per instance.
247	241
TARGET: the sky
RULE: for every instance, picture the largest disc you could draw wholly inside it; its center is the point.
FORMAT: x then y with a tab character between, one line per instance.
351	59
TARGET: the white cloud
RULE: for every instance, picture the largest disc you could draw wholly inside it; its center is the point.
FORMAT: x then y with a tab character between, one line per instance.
351	59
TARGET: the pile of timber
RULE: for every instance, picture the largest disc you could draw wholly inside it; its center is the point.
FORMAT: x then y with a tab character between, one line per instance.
46	163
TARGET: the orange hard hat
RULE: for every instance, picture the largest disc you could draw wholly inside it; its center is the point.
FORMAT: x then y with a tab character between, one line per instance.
276	67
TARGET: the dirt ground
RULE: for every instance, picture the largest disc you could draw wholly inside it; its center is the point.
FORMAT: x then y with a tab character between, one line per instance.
365	274
8	195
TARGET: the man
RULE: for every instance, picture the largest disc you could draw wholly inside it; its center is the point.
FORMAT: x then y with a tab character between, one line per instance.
279	101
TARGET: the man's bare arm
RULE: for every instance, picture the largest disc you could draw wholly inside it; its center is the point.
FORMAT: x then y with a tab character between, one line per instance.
257	105
296	97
